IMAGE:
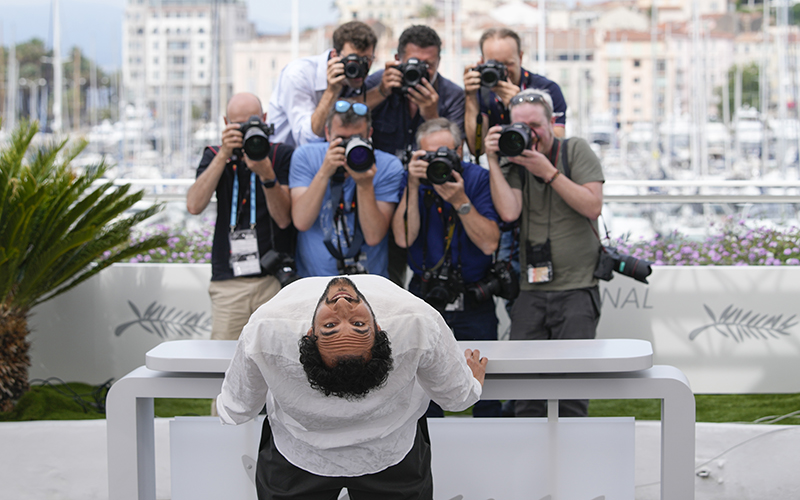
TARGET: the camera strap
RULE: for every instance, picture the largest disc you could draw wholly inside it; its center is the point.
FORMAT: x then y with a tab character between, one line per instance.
340	223
429	199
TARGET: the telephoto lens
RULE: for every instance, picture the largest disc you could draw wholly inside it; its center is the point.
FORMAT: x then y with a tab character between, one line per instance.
441	164
359	153
514	139
256	138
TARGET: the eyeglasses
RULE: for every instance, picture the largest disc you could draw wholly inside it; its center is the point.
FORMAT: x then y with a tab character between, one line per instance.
359	108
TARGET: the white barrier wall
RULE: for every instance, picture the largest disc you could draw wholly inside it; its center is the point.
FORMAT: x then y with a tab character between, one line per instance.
729	329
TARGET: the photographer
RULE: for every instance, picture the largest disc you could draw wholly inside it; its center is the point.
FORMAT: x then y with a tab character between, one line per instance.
407	93
556	186
447	221
502	45
343	198
239	285
307	87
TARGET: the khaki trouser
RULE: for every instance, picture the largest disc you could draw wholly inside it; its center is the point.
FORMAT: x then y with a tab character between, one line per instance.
233	301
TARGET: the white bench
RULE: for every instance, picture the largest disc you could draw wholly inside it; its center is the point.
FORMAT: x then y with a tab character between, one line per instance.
551	370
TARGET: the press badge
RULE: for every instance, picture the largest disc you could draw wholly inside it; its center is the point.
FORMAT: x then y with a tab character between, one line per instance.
244	253
540	263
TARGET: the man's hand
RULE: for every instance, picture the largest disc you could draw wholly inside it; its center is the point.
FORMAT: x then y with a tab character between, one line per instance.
477	364
392	78
334	158
262	168
505	91
426	97
363	178
335	73
232	139
492	140
535	163
417	169
472	81
452	191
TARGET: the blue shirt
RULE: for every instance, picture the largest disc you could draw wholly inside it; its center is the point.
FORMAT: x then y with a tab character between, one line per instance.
312	256
492	106
395	129
474	263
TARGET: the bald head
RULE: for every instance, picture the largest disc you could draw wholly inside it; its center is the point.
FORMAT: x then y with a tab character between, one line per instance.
242	106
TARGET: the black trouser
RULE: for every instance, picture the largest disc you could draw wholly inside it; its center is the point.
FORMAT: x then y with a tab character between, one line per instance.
569	314
411	479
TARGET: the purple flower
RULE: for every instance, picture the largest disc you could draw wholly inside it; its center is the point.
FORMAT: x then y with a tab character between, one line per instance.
793	262
787	252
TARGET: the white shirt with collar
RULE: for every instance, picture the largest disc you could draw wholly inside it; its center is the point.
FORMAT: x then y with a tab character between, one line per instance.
295	97
328	435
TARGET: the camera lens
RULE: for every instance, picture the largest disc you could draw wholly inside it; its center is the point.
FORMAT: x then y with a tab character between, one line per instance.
256	144
511	143
439	171
359	154
489	77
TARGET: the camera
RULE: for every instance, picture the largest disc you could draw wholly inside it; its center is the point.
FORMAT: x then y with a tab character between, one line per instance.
281	266
413	71
516	138
492	72
612	260
256	137
500	280
355	66
359	152
442	288
352	268
441	164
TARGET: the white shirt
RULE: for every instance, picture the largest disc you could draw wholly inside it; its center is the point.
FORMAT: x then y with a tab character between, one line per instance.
328	435
295	97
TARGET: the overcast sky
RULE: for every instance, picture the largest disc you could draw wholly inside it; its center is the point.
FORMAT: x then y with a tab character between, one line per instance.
95	25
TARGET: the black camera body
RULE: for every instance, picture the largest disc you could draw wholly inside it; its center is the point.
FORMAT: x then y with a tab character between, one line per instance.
360	153
413	72
612	260
280	265
355	66
256	138
492	72
441	288
501	280
441	164
516	138
349	268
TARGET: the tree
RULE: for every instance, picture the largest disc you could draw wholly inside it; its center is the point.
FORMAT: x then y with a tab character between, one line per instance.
750	88
56	224
427	11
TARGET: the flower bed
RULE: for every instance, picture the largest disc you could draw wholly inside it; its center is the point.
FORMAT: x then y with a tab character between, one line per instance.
735	244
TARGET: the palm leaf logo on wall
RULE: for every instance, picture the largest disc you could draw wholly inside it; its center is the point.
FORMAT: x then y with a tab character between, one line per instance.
734	323
167	324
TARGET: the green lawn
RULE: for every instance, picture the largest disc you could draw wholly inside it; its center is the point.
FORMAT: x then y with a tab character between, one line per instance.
76	401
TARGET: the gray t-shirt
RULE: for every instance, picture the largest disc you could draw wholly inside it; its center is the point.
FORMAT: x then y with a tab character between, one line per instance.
574	245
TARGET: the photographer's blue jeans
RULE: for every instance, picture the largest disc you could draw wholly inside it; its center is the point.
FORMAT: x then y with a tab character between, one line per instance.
478	321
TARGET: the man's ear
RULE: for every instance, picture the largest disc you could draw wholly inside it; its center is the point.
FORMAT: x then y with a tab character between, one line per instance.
225	118
264	118
327	134
369	134
397	57
310	332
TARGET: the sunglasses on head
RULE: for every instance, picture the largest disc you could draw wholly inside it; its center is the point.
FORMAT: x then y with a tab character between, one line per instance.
359	108
532	98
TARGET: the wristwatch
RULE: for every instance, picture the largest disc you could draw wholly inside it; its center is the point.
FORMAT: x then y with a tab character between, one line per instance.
465	208
269	184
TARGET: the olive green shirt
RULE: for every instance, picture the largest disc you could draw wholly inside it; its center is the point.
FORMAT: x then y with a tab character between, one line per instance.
574	245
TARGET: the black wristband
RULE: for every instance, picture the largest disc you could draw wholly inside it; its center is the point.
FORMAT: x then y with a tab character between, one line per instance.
269	184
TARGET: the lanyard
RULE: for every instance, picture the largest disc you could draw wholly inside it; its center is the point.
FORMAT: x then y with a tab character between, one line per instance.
450	223
353	244
235	199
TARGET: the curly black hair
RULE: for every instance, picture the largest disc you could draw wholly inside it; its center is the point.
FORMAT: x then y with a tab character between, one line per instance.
352	378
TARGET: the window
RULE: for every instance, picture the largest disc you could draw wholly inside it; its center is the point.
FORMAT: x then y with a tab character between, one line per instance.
155	60
636	80
140	31
155	45
201	30
637	63
202	75
202	45
177	45
179	60
202	60
661	65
